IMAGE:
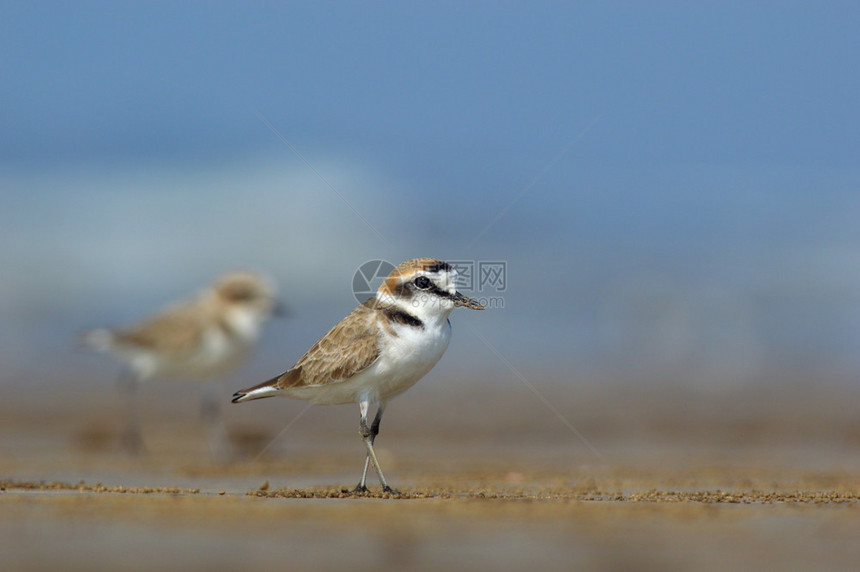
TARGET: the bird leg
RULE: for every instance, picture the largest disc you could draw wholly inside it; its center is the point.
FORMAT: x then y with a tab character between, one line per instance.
131	438
368	434
213	417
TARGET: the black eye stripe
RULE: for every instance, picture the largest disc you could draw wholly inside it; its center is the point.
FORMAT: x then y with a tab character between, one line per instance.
438	291
402	290
440	266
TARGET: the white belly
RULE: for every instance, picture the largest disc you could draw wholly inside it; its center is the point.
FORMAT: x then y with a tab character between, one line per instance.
403	360
216	354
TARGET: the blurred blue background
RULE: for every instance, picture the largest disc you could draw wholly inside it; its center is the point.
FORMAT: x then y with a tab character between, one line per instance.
674	186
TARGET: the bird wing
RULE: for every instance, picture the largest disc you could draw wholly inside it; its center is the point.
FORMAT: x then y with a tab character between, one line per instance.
347	349
177	330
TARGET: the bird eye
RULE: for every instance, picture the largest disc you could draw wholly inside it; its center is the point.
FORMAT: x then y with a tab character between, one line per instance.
422	282
239	294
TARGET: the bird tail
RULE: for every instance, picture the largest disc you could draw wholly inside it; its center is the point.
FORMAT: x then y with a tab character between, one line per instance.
100	339
266	389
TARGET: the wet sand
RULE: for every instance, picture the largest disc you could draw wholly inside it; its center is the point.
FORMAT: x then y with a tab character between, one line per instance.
748	481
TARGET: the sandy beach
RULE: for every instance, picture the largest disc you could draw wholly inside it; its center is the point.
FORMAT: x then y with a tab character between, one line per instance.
674	482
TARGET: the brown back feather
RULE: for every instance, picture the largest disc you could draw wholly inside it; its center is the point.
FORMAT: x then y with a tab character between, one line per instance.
328	362
177	330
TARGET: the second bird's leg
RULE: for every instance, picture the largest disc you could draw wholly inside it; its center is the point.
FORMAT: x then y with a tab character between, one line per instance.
131	438
213	418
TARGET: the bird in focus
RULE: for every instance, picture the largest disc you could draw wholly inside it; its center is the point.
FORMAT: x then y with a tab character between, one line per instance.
379	350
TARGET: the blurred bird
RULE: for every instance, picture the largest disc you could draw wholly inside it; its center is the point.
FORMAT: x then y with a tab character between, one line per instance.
379	350
200	339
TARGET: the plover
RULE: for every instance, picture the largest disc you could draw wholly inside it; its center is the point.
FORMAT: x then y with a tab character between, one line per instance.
379	350
200	339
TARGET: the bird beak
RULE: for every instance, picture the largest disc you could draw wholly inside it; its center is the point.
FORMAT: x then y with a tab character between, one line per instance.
460	300
281	310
